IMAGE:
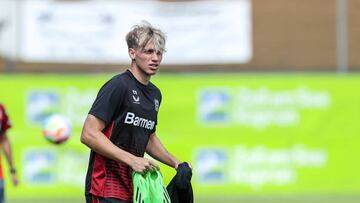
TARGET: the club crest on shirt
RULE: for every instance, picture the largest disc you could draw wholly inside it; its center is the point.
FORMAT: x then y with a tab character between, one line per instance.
136	98
156	102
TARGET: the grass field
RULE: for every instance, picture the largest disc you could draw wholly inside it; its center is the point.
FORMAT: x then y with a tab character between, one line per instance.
237	199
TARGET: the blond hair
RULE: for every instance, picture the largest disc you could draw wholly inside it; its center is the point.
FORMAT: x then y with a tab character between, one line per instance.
140	35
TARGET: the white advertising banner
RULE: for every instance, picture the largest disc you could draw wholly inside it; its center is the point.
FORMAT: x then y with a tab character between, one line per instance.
8	27
199	32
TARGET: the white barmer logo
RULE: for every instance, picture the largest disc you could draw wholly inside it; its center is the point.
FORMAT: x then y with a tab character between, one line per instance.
134	120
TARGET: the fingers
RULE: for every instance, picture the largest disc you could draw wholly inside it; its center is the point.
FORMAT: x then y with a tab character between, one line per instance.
143	165
150	165
154	165
15	181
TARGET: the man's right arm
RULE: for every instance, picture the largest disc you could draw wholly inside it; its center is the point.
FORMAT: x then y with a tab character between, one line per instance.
93	137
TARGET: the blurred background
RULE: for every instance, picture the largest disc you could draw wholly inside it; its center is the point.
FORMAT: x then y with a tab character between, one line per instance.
262	97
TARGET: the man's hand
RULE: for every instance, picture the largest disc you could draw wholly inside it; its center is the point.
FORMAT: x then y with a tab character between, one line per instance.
142	165
14	179
187	163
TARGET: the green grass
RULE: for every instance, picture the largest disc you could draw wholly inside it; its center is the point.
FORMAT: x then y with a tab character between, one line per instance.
234	199
281	199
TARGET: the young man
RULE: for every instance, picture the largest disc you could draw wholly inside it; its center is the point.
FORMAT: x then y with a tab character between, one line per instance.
121	123
6	147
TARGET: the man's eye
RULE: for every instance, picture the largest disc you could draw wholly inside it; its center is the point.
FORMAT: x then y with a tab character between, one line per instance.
149	51
152	51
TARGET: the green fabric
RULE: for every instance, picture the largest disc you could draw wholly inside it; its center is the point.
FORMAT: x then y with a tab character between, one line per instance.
141	188
149	188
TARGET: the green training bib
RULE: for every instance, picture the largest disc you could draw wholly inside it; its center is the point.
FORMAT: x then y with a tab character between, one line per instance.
149	188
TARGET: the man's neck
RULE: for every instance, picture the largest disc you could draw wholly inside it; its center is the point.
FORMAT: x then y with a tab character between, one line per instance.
140	75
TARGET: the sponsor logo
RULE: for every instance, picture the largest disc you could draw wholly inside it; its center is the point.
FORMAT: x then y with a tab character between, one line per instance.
40	104
134	120
211	165
214	106
40	167
135	97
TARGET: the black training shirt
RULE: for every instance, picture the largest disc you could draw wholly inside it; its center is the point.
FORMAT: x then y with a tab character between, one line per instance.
129	110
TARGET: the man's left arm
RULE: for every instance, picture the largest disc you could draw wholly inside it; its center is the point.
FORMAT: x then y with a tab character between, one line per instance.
8	154
157	150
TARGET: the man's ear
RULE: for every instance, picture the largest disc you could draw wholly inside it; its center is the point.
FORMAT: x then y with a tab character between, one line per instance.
132	53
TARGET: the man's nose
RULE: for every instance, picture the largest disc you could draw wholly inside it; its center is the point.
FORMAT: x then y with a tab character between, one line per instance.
155	56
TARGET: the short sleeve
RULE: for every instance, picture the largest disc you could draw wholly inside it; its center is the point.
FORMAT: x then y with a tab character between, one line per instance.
5	121
109	100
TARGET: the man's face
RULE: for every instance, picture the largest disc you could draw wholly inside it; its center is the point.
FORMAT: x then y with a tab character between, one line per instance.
148	60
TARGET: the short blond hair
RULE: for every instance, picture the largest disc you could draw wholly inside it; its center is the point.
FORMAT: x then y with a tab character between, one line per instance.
140	35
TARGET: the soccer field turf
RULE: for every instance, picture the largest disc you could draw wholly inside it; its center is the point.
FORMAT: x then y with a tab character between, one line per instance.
218	199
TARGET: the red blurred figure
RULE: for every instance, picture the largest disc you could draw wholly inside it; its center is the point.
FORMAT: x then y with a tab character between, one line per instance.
6	146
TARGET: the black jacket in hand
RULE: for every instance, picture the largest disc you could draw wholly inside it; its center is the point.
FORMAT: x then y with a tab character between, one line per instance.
179	188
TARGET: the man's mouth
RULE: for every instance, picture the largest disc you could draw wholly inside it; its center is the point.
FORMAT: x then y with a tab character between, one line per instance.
153	66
